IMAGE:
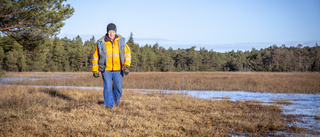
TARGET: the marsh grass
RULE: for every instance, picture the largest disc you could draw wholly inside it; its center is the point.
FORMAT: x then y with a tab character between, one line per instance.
214	81
26	111
282	101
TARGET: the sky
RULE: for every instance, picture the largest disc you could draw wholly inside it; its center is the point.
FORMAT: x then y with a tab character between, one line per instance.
218	25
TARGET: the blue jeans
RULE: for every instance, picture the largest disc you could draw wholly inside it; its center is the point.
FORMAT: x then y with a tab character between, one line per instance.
112	90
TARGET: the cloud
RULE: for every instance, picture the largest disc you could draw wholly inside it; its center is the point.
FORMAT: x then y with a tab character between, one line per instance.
144	41
309	43
237	46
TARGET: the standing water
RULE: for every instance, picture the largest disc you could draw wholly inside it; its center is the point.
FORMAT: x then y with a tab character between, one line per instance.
305	105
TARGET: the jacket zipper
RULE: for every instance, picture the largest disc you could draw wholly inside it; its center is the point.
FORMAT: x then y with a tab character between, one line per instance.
112	56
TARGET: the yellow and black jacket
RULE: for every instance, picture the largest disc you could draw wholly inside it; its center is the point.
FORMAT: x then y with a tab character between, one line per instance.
111	55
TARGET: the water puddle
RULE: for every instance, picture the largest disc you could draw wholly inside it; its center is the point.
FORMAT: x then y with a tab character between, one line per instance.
19	79
305	105
297	104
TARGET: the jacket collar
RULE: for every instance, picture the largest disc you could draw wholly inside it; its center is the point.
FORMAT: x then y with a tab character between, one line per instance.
105	38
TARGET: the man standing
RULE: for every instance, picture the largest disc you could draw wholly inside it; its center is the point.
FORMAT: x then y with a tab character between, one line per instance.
112	58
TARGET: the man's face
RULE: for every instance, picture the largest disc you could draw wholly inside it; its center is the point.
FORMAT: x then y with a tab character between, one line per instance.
111	34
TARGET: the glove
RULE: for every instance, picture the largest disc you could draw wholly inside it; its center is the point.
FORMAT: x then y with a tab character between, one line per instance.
126	70
96	75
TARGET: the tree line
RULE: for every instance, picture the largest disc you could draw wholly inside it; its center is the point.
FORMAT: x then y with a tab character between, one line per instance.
63	54
30	45
54	54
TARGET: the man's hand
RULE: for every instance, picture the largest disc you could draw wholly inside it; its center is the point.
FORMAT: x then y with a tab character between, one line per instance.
96	75
126	70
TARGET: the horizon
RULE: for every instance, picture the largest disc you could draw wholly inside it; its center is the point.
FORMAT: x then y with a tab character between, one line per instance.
217	47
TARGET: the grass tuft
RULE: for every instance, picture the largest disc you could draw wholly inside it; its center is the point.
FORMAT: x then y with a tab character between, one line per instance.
275	82
26	111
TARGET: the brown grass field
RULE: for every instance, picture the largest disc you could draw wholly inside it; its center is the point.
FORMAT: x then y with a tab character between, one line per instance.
291	82
27	111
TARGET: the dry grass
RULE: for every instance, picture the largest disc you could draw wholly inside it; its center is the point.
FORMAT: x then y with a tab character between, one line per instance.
317	117
216	81
282	101
69	112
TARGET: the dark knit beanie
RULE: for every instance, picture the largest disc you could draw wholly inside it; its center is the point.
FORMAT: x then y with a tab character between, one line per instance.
111	26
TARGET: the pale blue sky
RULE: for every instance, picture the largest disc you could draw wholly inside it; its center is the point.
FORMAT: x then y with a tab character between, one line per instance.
218	25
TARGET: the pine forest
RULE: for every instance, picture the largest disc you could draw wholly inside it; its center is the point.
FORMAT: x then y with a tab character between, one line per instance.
66	55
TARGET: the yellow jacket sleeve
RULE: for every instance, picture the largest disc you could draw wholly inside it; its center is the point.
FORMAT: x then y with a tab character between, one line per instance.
127	56
95	61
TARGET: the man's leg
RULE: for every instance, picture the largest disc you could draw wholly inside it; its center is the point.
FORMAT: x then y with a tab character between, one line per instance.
107	89
117	86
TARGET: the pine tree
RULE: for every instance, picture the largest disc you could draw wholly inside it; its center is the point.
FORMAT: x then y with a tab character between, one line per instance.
72	55
1	58
89	47
30	22
135	53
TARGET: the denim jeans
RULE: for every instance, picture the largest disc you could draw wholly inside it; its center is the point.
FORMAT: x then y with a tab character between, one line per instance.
112	90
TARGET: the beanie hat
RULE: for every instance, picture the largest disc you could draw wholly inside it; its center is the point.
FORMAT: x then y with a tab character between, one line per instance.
111	26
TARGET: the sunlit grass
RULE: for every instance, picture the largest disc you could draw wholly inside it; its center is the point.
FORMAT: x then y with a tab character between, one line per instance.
26	111
293	82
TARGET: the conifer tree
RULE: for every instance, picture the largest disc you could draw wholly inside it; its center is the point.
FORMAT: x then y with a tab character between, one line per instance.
29	22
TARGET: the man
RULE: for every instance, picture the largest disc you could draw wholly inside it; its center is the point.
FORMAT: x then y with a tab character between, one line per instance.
112	58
